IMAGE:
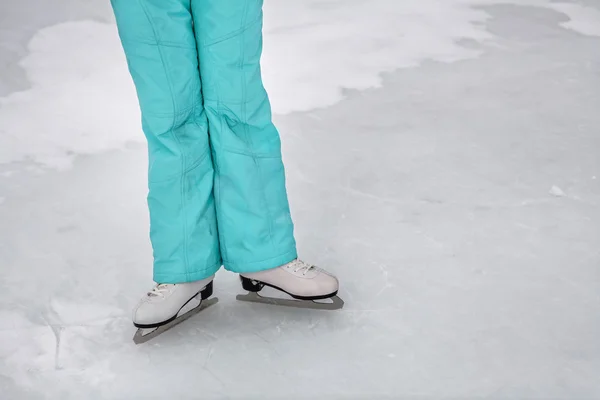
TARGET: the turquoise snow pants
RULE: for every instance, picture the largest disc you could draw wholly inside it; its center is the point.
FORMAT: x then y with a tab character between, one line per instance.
216	180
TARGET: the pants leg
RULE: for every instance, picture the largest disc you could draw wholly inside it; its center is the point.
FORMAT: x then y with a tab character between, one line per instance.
159	43
255	226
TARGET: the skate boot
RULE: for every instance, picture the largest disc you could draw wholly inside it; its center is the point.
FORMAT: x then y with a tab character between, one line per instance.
305	283
167	305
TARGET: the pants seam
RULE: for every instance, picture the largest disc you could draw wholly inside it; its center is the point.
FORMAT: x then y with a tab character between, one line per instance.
222	239
158	43
174	114
195	165
234	101
183	158
244	121
250	154
236	32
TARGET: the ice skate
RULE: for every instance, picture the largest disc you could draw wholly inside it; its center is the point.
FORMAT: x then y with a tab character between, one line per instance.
167	305
309	286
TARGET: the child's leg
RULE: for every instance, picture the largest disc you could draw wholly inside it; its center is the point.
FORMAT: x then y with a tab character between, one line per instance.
255	226
158	39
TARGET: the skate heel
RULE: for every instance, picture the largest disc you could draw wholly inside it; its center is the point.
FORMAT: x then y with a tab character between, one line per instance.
251	285
207	291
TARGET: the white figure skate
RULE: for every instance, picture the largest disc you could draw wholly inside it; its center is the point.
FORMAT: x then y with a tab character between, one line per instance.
167	305
305	283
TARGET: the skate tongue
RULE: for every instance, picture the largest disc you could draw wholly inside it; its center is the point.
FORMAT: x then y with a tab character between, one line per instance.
300	265
158	290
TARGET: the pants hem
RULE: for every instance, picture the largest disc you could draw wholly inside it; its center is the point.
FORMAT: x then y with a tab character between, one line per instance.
186	277
263	265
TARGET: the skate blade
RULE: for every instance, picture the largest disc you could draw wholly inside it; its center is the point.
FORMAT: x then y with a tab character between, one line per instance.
335	302
144	335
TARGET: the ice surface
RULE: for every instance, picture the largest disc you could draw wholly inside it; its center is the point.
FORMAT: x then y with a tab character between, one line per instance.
442	158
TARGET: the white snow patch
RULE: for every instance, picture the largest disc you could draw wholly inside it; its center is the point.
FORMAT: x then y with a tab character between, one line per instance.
314	49
556	191
82	100
583	20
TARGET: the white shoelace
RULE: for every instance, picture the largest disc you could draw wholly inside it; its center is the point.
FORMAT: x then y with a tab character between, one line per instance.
300	265
159	290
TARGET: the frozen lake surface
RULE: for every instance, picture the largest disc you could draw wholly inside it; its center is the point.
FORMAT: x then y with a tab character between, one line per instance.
443	159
